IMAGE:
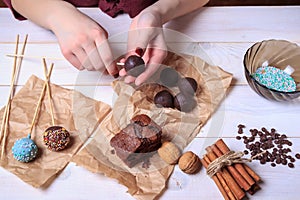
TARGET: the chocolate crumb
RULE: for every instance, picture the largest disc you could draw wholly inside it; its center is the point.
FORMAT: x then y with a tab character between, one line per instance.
112	151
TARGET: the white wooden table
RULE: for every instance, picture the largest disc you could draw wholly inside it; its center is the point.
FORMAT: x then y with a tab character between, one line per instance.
219	35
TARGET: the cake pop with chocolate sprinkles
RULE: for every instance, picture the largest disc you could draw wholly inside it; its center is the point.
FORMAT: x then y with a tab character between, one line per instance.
56	138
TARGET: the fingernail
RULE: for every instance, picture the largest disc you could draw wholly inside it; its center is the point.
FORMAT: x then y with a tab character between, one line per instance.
139	51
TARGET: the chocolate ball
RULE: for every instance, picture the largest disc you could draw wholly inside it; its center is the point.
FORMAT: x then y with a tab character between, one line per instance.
56	138
184	103
169	77
188	86
164	99
134	65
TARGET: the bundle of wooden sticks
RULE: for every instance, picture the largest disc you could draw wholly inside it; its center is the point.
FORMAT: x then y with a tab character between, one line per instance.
234	180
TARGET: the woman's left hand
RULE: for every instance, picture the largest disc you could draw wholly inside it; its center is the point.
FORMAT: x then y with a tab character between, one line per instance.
146	39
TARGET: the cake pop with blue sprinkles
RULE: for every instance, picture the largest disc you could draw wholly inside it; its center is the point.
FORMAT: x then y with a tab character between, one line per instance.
25	149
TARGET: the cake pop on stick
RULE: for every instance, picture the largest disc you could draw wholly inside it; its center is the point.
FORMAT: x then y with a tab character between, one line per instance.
25	149
56	138
15	70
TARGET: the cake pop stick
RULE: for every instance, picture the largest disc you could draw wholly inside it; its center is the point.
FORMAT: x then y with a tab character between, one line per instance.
56	138
25	149
15	70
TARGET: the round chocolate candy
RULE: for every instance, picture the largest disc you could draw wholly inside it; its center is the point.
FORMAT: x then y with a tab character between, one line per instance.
169	77
25	150
188	86
184	103
134	65
56	138
275	79
164	99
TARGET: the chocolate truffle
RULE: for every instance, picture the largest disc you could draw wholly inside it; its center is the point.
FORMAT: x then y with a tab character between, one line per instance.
188	86
138	141
56	138
184	103
25	150
164	99
169	77
134	65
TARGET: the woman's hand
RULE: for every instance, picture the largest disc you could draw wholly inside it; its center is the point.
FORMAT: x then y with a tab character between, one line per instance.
84	42
146	33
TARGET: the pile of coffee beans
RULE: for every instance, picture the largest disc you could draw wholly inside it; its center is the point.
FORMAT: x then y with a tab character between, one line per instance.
267	146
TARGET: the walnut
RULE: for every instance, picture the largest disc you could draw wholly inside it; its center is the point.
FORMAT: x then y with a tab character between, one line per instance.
189	163
169	152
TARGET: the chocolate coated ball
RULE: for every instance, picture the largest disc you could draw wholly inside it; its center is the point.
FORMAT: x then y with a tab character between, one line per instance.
169	77
184	103
164	99
134	65
188	86
56	138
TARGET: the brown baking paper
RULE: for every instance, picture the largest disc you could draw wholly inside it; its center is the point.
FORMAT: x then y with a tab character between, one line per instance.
180	127
48	164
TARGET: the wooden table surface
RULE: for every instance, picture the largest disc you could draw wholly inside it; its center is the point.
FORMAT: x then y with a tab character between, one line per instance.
220	36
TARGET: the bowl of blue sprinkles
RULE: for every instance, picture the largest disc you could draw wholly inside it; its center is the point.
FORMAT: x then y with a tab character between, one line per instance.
272	69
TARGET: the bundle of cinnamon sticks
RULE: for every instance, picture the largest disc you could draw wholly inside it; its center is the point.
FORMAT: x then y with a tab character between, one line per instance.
233	181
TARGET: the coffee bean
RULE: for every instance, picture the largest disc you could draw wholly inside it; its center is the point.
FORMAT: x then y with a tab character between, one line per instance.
291	165
271	142
273	164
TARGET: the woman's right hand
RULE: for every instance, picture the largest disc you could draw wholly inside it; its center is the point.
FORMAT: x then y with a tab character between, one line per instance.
83	42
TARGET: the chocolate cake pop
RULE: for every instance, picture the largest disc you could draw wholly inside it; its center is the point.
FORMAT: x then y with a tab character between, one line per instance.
134	65
56	138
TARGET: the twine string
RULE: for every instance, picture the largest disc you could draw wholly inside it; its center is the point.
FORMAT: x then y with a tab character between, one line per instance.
228	159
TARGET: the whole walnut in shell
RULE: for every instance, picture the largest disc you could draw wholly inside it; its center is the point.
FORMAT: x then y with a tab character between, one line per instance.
169	153
189	163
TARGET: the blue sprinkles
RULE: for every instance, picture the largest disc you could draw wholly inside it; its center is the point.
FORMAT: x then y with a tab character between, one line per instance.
25	150
275	79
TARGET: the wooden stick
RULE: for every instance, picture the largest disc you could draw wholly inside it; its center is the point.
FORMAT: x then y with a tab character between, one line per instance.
232	184
237	176
121	64
40	101
15	71
34	57
47	79
11	82
220	144
217	181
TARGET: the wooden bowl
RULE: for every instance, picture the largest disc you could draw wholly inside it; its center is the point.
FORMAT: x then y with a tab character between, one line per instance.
279	54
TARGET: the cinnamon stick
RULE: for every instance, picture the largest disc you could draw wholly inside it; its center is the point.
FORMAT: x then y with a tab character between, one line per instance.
232	184
217	181
255	176
237	176
220	144
222	180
